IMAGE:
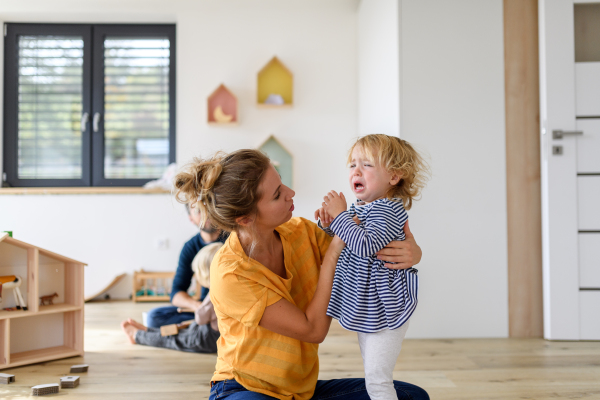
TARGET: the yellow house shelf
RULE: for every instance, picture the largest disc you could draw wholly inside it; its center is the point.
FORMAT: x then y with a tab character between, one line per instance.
275	86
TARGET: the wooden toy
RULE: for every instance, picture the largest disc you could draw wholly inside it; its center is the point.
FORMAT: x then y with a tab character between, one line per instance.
6	378
79	368
69	382
169	330
48	299
112	284
13	282
60	324
41	390
141	290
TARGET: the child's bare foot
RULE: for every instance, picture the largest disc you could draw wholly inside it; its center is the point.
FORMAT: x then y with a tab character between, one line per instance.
129	330
137	324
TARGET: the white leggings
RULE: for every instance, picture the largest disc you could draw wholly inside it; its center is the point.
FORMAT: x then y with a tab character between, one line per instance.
380	350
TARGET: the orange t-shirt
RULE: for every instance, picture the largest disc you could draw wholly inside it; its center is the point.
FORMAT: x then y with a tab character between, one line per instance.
241	288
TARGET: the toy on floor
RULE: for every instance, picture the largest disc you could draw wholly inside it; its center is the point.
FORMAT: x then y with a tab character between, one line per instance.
7	378
173	329
69	382
48	299
79	368
41	390
13	282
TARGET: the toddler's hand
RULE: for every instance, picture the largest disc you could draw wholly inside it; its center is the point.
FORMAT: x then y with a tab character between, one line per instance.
334	203
326	220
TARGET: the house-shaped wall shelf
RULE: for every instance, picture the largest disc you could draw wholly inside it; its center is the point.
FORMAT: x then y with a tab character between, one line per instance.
275	85
42	332
222	107
281	159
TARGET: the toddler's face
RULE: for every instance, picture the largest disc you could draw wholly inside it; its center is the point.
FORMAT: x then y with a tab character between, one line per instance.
368	181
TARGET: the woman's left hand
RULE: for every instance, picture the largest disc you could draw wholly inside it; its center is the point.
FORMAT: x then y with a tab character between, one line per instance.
404	254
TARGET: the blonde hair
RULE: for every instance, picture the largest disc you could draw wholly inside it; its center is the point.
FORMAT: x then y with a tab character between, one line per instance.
201	263
223	187
397	156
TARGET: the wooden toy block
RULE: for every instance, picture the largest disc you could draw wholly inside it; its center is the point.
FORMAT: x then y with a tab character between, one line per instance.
7	378
41	390
69	382
79	368
169	330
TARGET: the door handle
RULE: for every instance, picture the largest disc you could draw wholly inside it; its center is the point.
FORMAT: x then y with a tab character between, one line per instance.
84	119
558	134
96	121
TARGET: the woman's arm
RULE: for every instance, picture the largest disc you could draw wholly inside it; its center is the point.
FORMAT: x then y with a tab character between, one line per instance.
404	254
311	326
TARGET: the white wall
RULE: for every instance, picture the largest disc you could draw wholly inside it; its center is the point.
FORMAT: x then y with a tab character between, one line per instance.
451	68
225	41
453	108
379	67
450	104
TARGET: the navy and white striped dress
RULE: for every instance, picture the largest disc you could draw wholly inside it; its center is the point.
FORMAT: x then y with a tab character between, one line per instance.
368	297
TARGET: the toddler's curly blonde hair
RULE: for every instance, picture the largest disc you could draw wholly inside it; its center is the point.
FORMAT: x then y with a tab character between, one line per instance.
397	156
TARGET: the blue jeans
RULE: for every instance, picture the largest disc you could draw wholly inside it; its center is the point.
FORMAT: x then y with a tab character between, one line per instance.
335	389
160	316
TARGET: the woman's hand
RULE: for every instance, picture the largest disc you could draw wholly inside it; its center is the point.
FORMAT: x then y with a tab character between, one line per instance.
404	254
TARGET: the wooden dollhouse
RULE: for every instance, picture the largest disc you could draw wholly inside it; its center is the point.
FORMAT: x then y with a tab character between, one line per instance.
40	332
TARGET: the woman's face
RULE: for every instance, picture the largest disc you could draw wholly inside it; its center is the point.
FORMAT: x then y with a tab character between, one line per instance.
276	203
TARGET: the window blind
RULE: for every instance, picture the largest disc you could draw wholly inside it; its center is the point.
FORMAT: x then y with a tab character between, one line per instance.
50	73
136	107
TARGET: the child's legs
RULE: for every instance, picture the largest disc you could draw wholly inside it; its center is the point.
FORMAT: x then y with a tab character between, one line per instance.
380	350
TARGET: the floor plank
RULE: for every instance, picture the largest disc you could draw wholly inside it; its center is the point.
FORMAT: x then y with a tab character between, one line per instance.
459	369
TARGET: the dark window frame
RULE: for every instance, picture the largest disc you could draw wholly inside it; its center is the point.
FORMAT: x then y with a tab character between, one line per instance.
93	98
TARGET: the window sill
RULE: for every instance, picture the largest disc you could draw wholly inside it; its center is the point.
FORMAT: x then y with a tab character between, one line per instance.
83	190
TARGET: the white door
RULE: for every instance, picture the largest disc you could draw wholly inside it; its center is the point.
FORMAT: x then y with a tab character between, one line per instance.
570	153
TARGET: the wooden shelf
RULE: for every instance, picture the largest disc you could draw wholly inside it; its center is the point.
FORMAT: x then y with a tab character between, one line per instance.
56	328
35	356
275	79
222	107
152	298
52	309
260	105
281	158
139	282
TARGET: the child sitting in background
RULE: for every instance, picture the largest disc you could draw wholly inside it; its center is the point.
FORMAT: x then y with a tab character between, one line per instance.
385	174
202	334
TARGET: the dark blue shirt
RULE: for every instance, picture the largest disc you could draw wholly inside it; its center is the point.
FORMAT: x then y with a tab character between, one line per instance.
184	273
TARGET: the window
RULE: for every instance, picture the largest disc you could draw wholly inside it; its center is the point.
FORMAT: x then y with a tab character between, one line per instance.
88	105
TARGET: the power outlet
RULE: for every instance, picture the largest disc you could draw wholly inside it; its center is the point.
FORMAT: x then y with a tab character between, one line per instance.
161	243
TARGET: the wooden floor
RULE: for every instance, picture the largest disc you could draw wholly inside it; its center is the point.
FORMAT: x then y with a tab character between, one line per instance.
448	369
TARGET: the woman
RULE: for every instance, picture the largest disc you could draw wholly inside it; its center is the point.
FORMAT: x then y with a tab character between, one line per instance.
271	283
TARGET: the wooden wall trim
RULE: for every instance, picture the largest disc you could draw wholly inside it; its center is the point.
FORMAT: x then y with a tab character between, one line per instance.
521	66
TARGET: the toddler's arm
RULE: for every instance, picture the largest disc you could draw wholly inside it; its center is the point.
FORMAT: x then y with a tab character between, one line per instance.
383	224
